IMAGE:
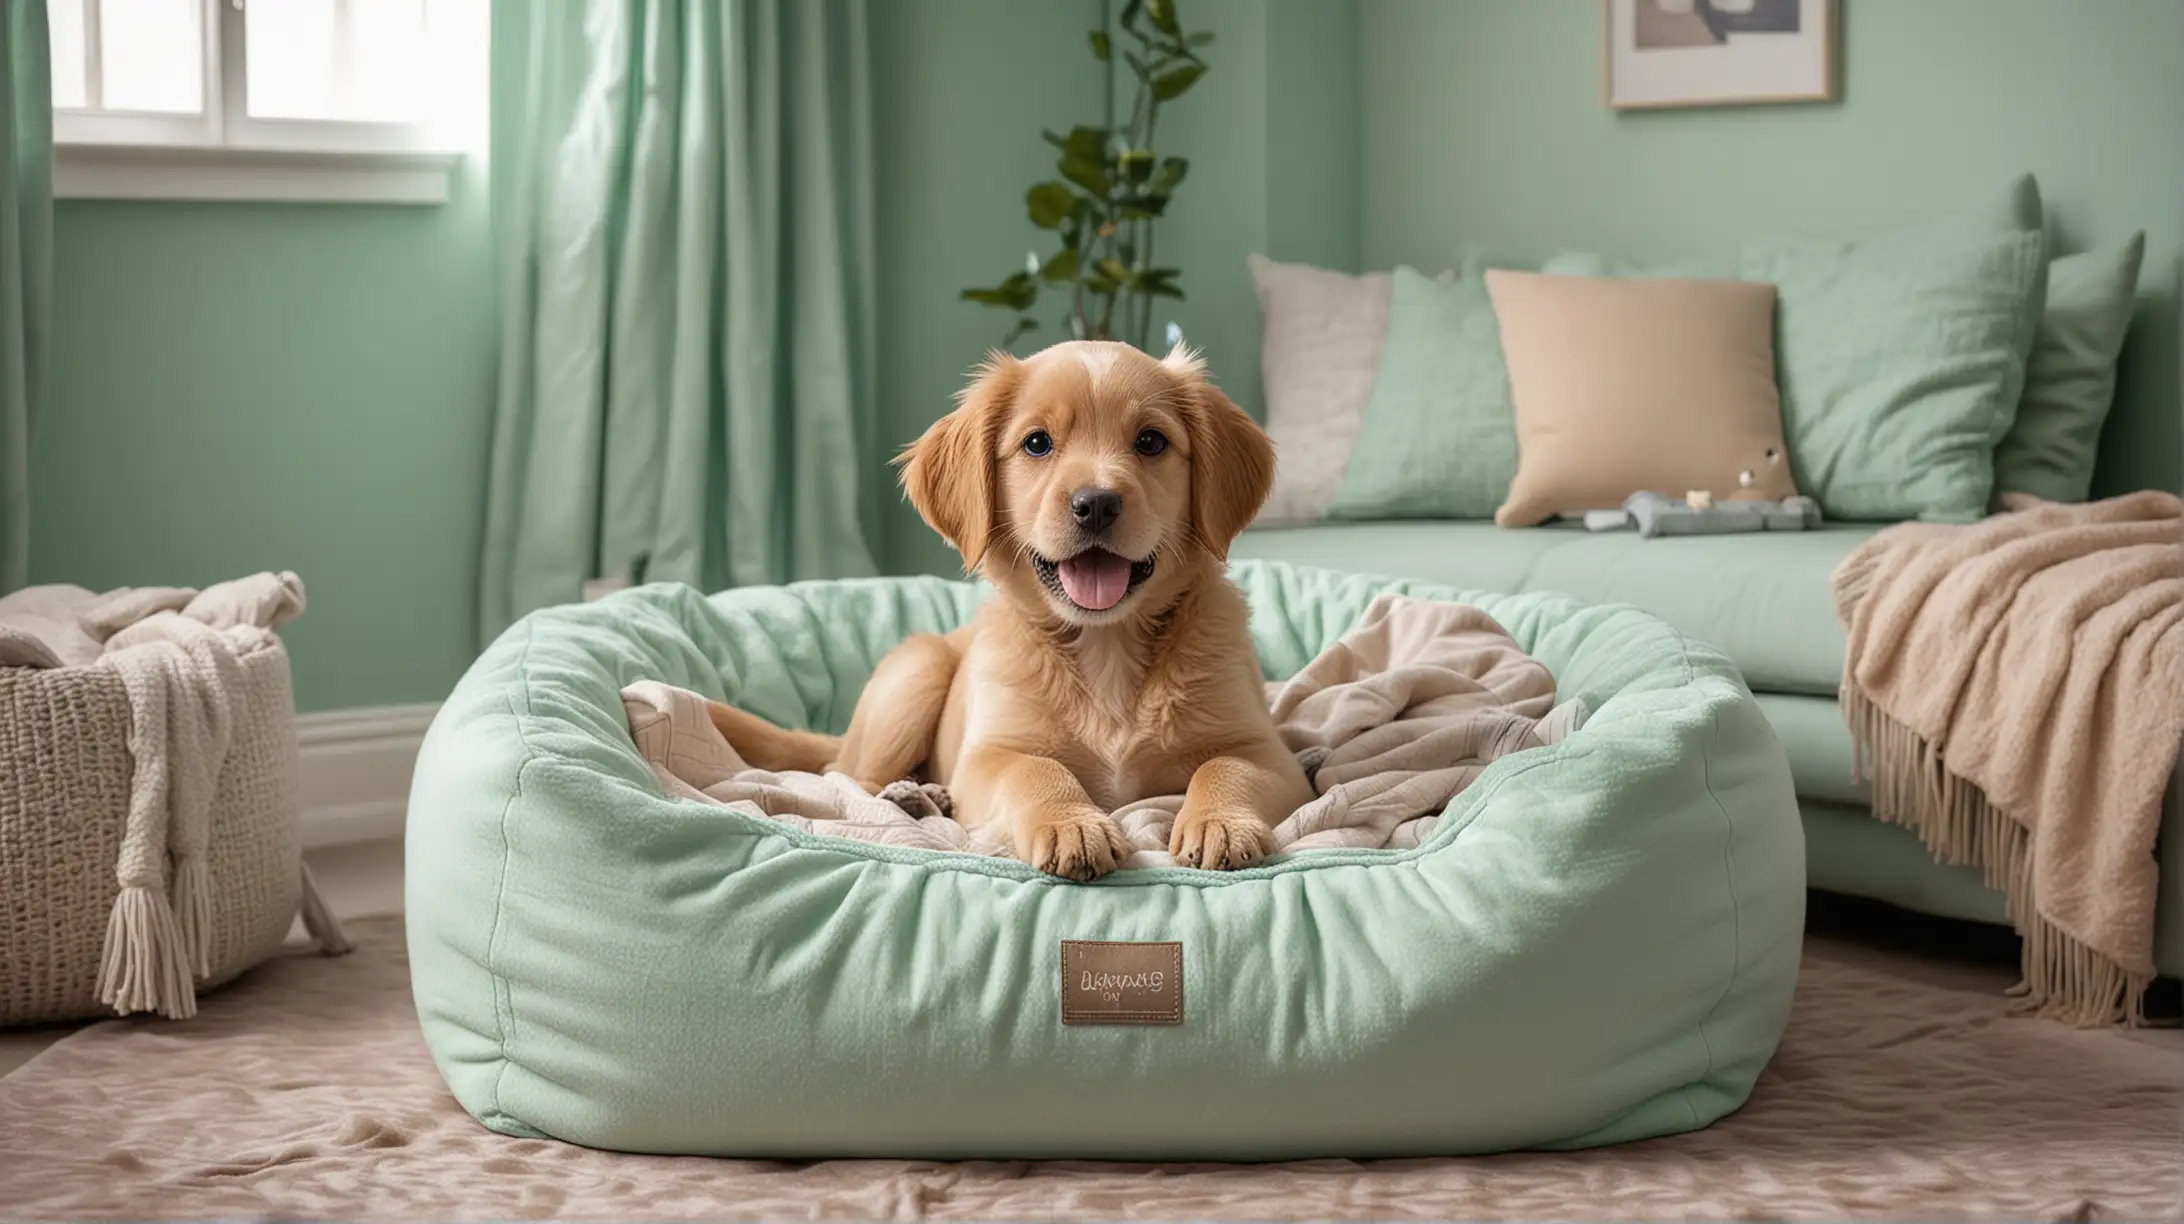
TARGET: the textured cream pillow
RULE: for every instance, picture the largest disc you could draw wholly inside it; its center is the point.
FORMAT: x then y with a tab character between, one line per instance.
1321	350
1318	359
1627	386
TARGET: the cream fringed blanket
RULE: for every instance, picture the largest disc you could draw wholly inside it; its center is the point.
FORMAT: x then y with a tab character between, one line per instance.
1391	723
2017	690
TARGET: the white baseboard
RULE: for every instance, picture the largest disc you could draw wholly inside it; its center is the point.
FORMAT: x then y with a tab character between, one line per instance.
356	771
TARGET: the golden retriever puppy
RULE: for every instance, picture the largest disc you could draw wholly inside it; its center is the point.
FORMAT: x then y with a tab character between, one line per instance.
1097	489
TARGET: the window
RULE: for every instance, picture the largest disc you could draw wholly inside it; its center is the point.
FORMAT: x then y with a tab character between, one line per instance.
266	99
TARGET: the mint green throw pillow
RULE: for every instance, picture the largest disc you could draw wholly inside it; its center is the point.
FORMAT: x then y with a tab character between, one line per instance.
1439	438
2070	379
1592	263
1901	361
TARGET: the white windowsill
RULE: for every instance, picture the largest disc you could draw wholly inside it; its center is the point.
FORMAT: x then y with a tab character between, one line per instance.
144	172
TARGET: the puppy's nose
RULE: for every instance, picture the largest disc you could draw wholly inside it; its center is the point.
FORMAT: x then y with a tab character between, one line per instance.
1095	509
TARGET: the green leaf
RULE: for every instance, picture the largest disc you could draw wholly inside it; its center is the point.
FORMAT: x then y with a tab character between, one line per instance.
1130	13
1084	158
1025	324
1048	204
1089	173
1114	270
1169	177
1170	85
1204	38
1136	165
1101	50
1162	15
1142	208
1063	265
1084	140
1018	293
1054	138
1159	282
1100	284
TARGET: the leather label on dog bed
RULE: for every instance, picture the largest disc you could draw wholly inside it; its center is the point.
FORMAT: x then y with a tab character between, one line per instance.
1121	983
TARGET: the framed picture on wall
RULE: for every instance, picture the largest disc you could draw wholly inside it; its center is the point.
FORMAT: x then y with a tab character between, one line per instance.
1665	53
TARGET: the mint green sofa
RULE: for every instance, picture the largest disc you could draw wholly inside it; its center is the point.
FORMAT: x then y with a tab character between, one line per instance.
1761	599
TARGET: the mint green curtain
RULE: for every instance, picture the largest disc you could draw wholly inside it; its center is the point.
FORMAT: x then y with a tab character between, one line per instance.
686	371
26	267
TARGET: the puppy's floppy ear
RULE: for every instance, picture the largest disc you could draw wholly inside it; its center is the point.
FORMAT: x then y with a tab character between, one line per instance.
1232	465
948	472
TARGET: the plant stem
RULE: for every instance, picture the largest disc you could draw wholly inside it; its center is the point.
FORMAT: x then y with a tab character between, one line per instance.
1145	243
1145	300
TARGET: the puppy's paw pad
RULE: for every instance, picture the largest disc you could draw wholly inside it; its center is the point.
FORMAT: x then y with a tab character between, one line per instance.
1220	843
1078	847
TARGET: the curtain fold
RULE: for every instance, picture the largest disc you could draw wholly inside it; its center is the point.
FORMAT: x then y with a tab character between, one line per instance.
687	301
26	267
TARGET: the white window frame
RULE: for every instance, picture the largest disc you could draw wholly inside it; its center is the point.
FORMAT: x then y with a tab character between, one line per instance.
224	153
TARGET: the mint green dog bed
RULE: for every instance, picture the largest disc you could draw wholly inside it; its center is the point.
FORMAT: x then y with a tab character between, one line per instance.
1597	944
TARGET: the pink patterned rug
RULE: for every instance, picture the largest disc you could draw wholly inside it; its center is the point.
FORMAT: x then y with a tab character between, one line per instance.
304	1090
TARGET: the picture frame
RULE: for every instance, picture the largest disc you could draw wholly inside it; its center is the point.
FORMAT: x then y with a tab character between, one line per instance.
1670	54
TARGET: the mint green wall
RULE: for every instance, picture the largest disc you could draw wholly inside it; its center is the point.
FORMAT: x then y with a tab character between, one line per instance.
239	387
1483	123
1271	134
962	89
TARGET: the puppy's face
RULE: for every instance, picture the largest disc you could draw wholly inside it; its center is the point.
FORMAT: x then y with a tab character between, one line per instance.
1091	476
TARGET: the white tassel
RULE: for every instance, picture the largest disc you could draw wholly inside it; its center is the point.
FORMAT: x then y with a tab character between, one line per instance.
193	912
144	968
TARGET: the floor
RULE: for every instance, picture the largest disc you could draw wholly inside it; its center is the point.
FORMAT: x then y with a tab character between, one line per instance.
356	881
367	879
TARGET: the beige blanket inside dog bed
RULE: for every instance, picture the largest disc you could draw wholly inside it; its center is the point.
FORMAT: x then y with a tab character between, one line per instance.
1390	723
305	1091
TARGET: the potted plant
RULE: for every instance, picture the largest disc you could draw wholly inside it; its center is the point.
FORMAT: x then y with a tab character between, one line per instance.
1111	190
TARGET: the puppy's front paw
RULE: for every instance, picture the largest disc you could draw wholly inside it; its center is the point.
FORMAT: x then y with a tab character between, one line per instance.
1219	841
1078	845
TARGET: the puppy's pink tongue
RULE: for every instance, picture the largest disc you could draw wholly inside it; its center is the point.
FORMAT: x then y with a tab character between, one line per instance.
1095	579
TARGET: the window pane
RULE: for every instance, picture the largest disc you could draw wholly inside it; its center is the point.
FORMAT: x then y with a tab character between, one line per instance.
388	59
64	20
355	60
151	56
289	45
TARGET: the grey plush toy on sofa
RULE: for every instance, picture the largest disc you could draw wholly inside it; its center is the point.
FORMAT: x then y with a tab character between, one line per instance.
1655	515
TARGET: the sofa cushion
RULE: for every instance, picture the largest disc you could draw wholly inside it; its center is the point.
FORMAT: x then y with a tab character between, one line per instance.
2070	378
1761	598
1471	555
1637	385
1439	439
1901	361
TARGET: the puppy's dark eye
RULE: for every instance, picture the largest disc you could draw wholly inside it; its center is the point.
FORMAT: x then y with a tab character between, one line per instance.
1151	442
1038	444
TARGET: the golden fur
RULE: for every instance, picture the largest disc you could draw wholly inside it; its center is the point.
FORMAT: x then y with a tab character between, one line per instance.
1047	714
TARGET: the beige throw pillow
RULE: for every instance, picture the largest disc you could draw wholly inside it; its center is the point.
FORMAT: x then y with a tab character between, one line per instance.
1627	386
